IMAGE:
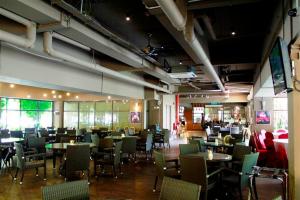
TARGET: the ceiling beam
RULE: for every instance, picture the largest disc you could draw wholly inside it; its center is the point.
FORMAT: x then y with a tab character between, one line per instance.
203	4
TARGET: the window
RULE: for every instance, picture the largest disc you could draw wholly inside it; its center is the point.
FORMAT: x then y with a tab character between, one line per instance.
103	115
197	114
121	114
280	110
86	114
71	114
18	114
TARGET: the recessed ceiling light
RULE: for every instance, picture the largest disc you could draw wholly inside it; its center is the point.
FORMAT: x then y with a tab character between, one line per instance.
127	18
53	91
11	85
59	96
180	62
77	97
233	33
108	97
68	94
54	96
28	96
45	95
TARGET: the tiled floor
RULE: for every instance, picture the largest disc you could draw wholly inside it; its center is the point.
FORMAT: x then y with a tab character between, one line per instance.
136	182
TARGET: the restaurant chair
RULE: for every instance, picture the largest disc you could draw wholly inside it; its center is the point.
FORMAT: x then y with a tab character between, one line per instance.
28	162
61	130
67	138
37	144
16	134
194	170
129	147
199	141
239	151
163	169
145	144
77	159
87	137
75	190
174	189
239	179
188	148
114	133
113	160
71	132
131	131
4	133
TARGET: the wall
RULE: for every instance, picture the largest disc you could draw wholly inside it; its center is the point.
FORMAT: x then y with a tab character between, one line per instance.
268	106
168	112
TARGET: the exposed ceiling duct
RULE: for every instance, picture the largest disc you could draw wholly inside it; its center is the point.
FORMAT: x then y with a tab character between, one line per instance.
27	42
92	66
177	19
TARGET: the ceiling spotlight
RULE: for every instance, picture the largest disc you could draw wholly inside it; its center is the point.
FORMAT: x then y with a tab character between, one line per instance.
109	97
180	62
28	96
68	94
53	91
45	95
233	33
127	18
77	97
59	96
54	96
11	85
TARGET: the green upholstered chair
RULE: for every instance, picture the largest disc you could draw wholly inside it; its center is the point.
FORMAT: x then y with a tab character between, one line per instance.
31	161
240	179
199	141
77	159
129	146
194	170
188	148
239	151
75	190
174	189
114	159
166	137
162	169
37	144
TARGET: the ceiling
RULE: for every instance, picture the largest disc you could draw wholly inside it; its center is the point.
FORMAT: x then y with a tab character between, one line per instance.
234	32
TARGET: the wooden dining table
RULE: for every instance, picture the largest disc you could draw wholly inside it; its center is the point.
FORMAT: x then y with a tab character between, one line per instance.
217	157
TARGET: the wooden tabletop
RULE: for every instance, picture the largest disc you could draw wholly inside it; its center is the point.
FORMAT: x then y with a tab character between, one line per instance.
63	146
217	157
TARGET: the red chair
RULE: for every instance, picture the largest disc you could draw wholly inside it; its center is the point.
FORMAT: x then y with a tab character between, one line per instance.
283	136
282	161
255	143
271	157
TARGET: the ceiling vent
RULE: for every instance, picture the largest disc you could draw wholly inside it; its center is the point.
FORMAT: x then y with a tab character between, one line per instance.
183	72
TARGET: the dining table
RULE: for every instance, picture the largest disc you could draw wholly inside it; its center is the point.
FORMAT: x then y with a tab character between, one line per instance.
216	157
283	142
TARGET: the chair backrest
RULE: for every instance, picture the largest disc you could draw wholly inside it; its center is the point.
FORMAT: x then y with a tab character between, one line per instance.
174	189
58	137
166	133
4	133
105	143
43	133
188	148
71	132
19	155
194	170
131	131
117	153
82	131
249	161
239	151
129	144
95	139
114	133
77	157
67	138
75	190
61	130
160	163
87	137
199	141
234	130
16	134
29	130
37	143
149	142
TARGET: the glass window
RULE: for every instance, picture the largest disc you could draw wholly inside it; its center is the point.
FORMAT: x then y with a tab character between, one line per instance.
3	103
13	104
280	110
71	106
28	104
71	119
45	105
197	114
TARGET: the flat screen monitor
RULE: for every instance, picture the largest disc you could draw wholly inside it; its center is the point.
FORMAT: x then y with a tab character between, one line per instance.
280	67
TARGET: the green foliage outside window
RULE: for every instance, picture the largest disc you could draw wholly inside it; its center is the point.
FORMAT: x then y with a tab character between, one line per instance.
2	103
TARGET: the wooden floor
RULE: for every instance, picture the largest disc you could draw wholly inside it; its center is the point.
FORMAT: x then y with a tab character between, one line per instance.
136	182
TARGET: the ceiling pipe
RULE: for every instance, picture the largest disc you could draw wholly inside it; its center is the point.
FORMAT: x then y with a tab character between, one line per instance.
69	41
193	86
27	42
209	27
48	48
176	18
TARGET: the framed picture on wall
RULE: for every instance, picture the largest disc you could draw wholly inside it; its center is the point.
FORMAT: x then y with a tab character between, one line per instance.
135	117
262	117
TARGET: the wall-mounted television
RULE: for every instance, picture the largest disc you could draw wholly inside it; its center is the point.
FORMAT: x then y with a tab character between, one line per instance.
280	67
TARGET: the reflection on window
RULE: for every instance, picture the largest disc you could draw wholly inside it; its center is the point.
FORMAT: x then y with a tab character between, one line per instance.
16	114
280	109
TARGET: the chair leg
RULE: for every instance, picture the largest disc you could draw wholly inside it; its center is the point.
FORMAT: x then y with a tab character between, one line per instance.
120	169
254	187
155	183
21	181
17	171
36	171
114	172
45	173
241	195
88	175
